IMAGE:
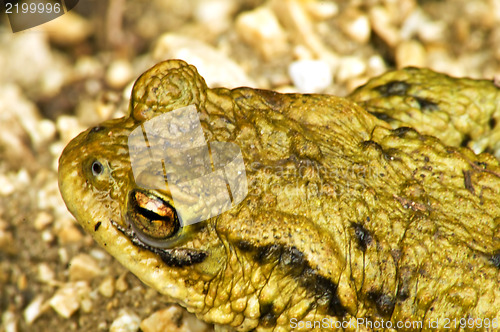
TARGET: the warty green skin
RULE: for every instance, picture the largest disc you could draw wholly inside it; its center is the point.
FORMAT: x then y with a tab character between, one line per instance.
345	217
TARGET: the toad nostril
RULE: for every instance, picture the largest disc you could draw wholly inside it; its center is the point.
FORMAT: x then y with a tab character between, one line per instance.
97	168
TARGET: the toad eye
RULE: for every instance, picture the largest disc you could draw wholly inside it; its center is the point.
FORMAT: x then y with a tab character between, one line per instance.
97	168
153	219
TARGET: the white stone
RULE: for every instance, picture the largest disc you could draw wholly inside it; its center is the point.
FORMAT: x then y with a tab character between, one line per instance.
47	236
310	76
69	234
357	26
168	320
214	66
127	321
321	10
68	127
381	24
119	73
215	14
34	309
83	267
66	301
6	185
260	29
121	283
68	29
350	67
9	321
107	287
376	65
410	53
86	305
46	274
42	220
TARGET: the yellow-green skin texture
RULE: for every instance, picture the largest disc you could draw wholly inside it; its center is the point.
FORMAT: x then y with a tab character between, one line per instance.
347	216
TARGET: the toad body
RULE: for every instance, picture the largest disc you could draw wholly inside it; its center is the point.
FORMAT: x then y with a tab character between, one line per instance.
380	207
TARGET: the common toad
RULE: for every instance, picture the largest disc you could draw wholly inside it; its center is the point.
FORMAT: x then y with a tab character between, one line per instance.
350	212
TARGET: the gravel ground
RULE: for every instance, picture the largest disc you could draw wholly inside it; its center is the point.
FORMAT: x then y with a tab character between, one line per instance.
76	71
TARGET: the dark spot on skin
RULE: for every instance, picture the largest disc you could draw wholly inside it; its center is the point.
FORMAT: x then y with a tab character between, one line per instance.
181	257
465	141
267	316
370	143
384	303
97	225
426	159
324	289
362	235
426	105
402	131
394	88
468	181
481	164
292	256
268	253
382	116
292	261
495	259
245	246
171	257
402	295
492	123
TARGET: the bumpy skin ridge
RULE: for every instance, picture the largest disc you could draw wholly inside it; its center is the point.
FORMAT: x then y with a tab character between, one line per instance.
345	218
458	111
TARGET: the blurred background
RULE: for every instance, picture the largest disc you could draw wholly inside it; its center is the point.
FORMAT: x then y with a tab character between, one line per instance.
61	77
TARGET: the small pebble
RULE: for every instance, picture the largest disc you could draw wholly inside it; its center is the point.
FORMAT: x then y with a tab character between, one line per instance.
46	274
86	305
356	25
9	321
83	267
7	186
321	10
215	15
63	255
380	21
68	127
173	318
42	220
260	29
310	76
216	68
66	301
69	234
107	287
46	129
350	67
34	309
376	65
119	73
68	29
121	283
410	53
127	321
47	236
99	254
